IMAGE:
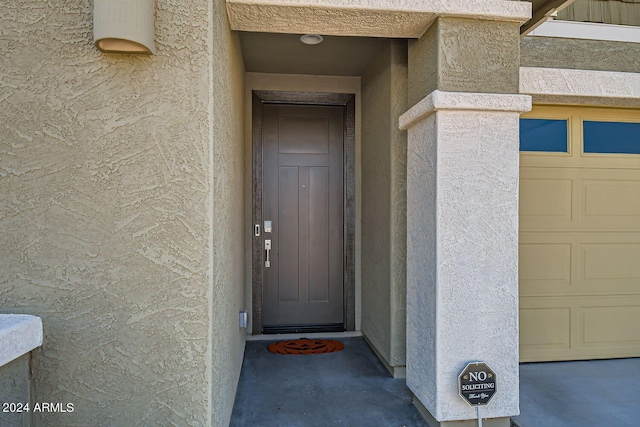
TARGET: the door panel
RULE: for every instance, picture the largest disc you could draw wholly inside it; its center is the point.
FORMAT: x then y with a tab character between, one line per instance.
318	233
303	197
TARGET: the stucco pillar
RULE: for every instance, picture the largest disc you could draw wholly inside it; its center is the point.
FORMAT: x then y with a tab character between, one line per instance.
462	215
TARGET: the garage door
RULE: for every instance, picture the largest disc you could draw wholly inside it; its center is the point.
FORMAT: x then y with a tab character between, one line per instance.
579	234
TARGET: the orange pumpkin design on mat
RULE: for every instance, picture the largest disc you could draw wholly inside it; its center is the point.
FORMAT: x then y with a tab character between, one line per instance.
305	346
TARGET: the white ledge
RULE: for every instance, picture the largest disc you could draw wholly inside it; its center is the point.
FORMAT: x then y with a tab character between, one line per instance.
367	18
19	334
463	101
588	31
579	83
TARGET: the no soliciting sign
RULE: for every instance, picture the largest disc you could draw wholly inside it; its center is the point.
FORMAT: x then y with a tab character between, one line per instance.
477	383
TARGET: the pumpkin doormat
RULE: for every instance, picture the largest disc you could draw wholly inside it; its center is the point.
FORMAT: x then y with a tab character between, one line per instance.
305	346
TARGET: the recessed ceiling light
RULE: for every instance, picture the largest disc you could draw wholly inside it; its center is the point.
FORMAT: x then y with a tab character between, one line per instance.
311	39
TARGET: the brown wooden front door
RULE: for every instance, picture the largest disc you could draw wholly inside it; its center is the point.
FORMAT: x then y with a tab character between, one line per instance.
303	184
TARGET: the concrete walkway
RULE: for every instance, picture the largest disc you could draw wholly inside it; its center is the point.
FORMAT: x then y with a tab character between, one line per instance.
348	388
595	393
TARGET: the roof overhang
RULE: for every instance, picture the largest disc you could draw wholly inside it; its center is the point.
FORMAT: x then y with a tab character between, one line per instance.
542	10
364	18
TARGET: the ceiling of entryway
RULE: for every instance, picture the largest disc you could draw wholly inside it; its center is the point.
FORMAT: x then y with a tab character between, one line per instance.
285	53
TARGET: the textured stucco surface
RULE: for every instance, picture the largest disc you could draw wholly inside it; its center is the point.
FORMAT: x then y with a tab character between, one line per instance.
462	217
399	88
423	63
376	195
581	87
461	101
228	229
422	359
14	388
464	55
112	172
368	18
384	95
601	55
462	221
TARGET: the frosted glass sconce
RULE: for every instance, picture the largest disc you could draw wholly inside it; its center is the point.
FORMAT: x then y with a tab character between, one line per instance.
124	26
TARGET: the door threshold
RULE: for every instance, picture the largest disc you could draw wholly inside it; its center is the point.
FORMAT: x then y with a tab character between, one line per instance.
278	337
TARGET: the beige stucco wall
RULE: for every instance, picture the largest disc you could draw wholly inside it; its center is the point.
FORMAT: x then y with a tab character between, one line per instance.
600	55
121	188
228	232
384	99
15	388
464	55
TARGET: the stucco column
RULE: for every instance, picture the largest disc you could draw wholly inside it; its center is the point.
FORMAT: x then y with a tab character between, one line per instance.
462	215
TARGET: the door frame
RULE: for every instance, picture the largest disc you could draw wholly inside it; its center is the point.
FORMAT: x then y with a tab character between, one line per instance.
347	100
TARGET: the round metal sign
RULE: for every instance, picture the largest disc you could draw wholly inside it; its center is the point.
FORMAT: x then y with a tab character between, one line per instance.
477	383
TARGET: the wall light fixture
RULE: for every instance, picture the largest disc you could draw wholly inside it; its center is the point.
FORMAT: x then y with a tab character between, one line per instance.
124	26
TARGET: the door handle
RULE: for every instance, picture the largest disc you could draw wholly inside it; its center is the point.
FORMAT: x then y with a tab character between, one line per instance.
267	247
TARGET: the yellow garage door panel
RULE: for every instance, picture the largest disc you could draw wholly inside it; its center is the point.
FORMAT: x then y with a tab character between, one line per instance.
579	199
611	262
556	263
546	198
572	328
579	262
611	203
613	198
545	263
604	327
552	330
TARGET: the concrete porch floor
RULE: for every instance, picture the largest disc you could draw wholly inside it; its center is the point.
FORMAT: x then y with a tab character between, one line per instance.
352	388
348	388
593	393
